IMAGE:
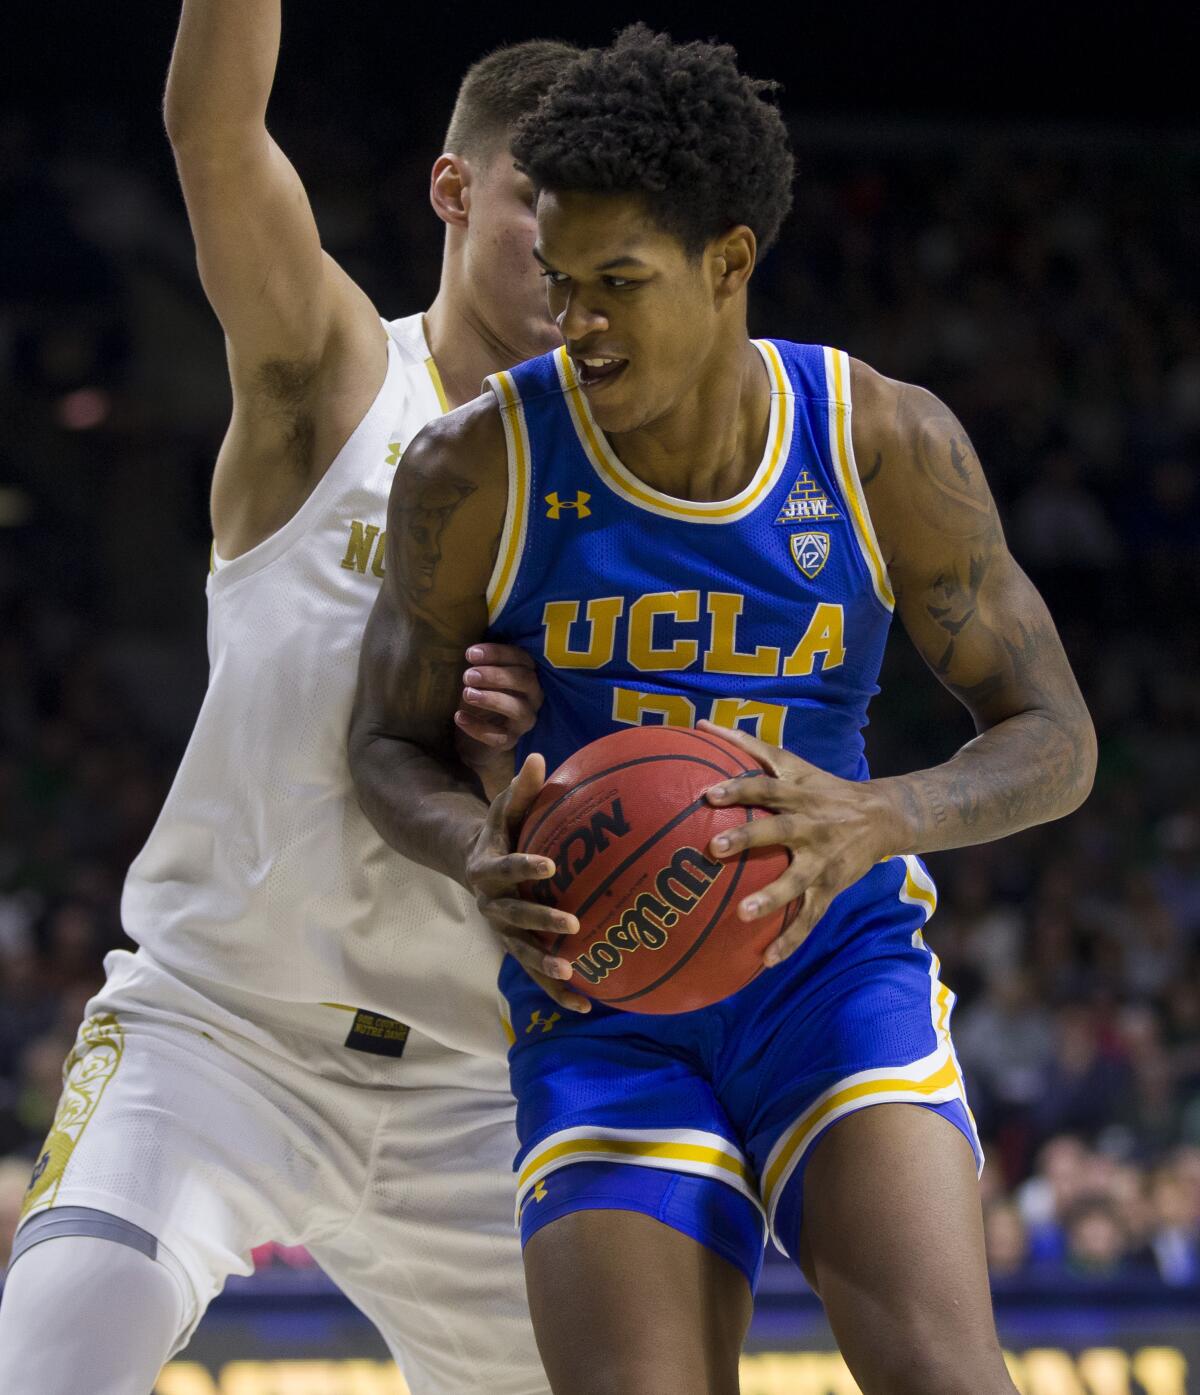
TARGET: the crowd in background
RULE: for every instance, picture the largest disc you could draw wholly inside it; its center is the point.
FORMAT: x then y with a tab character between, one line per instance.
1045	287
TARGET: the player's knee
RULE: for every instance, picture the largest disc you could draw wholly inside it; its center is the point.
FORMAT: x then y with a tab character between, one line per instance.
936	1367
78	1303
650	1375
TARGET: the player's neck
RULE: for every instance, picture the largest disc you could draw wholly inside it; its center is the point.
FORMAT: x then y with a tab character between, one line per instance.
711	442
464	346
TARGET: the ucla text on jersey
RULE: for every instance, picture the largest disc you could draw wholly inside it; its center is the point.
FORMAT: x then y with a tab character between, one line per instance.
768	611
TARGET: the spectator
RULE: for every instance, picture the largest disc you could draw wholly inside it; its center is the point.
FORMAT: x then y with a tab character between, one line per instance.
1096	1244
1175	1227
1006	1240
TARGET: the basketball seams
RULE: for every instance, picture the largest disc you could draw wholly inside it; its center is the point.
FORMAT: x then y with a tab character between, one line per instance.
562	820
523	841
695	807
717	743
673	969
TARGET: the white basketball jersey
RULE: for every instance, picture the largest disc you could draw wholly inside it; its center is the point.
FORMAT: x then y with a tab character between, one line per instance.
262	873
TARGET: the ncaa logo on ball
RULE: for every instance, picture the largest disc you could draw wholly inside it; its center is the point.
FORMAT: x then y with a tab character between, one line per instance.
810	552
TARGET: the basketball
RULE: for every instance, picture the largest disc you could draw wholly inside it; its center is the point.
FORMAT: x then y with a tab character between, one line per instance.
628	827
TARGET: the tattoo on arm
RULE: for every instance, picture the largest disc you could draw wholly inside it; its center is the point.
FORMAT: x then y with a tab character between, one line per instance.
423	519
985	632
409	778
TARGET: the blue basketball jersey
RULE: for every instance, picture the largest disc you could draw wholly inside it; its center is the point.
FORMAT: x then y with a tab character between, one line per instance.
768	611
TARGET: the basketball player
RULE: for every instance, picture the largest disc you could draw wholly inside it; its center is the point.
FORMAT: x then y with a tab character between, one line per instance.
678	528
307	1046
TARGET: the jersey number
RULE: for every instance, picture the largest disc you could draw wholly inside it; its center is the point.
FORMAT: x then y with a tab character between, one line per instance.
762	719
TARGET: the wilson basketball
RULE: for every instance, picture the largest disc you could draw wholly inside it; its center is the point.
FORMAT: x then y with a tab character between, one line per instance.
628	827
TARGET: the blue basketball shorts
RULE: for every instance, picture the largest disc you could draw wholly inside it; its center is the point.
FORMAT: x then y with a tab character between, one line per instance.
613	1106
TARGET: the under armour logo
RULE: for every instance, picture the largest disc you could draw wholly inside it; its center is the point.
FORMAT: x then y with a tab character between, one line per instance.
557	505
539	1192
535	1020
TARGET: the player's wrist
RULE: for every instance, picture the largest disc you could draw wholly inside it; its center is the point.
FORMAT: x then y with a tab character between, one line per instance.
893	820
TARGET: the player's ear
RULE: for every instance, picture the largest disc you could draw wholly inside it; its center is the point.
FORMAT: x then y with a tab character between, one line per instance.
732	257
449	185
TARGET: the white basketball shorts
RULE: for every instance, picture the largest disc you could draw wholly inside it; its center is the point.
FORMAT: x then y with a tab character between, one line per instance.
385	1153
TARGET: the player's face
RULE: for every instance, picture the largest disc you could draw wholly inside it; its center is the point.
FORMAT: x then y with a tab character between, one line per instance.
637	313
502	228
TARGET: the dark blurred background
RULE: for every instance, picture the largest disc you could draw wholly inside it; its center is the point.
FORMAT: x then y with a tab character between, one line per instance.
1001	204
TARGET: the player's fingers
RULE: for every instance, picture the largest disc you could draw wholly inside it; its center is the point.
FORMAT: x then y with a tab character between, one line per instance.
778	830
521	681
526	785
498	874
528	915
811	908
773	897
504	655
508	707
535	961
763	791
479	728
770	756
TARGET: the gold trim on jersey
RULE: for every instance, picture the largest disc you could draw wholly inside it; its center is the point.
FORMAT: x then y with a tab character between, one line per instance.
443	402
841	450
934	1079
512	539
91	1065
623	482
506	1021
693	1151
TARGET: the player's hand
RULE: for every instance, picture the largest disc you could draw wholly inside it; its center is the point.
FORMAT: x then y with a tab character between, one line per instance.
500	700
833	829
495	873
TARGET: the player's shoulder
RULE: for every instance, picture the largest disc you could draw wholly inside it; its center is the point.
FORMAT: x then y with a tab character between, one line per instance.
466	444
891	415
916	462
408	337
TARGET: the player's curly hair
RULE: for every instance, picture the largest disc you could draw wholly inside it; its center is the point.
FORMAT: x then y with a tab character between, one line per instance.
675	124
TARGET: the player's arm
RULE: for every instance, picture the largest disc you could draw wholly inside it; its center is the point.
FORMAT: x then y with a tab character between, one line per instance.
978	622
445	515
304	343
986	634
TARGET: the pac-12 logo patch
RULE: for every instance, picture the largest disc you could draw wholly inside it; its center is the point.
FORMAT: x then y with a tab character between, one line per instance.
810	552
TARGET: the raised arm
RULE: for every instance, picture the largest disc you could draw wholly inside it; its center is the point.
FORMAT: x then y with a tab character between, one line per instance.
306	350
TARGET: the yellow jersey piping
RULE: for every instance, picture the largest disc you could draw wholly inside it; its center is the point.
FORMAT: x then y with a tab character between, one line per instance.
516	511
841	449
624	483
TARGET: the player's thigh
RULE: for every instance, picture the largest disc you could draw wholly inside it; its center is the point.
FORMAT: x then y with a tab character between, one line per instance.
626	1305
434	1257
893	1236
82	1313
163	1127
